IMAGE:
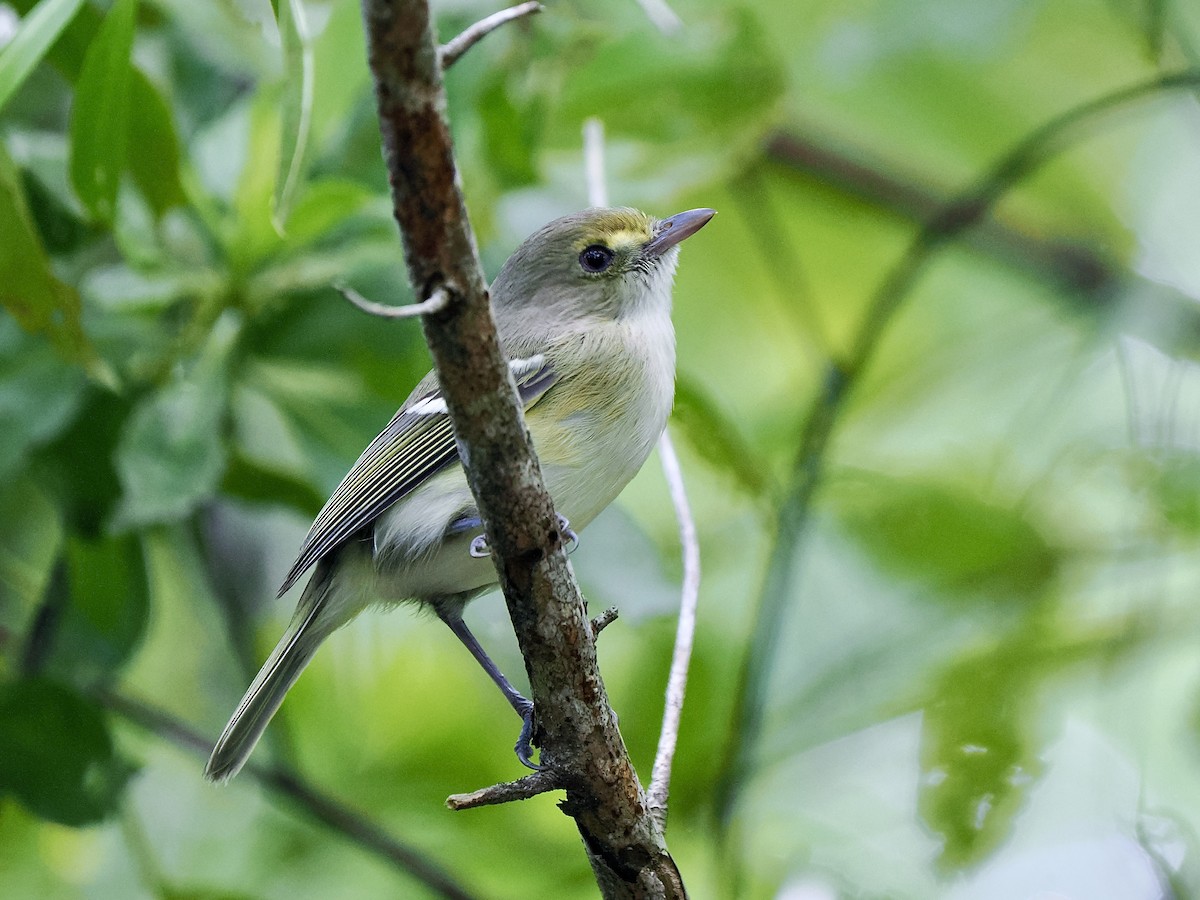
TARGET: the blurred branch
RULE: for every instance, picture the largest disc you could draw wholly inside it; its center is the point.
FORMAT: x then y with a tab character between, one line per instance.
593	162
661	16
574	726
946	224
1071	264
317	805
453	49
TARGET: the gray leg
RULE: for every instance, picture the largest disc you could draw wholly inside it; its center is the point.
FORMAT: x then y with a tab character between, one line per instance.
524	708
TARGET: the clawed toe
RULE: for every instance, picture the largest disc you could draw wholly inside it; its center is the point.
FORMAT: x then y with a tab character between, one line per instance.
524	746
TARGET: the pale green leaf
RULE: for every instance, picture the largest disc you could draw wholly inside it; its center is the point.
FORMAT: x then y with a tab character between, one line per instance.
100	114
38	32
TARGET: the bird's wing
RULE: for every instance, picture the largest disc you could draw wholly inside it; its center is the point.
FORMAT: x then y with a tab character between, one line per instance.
417	443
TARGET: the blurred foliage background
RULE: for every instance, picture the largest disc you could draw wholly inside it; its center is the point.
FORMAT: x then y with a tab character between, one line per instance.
939	410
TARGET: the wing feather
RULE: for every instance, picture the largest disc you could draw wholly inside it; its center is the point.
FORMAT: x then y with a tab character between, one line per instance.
416	444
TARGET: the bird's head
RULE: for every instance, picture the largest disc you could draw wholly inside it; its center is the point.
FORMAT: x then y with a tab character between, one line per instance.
594	264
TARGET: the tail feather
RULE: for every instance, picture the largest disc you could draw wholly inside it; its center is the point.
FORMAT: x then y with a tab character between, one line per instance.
300	641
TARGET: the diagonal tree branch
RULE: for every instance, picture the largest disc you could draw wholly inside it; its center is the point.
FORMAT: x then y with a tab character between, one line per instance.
575	726
319	806
842	375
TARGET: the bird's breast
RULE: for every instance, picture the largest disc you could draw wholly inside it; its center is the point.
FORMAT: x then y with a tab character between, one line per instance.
594	430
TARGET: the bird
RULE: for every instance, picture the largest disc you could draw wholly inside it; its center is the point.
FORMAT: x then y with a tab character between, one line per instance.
583	314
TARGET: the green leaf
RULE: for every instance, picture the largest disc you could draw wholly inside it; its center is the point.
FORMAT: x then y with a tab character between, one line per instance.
944	536
105	612
324	204
38	32
254	237
1174	481
153	152
510	134
250	480
39	393
706	86
29	289
976	755
30	534
100	114
58	757
296	129
172	453
716	439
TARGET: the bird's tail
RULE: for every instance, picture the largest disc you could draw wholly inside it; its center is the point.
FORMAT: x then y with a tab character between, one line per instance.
304	634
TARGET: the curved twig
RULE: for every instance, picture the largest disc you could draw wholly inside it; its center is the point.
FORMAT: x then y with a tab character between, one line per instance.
452	51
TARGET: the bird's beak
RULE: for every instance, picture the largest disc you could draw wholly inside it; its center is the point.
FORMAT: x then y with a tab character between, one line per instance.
670	232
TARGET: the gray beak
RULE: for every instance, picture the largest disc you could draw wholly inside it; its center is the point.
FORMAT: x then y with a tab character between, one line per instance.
670	232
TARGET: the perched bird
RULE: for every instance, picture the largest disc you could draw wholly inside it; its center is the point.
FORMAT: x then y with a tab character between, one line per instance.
583	311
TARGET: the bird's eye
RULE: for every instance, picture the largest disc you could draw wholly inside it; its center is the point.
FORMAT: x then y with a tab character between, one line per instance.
596	258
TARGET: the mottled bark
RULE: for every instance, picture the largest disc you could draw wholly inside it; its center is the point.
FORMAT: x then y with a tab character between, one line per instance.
575	727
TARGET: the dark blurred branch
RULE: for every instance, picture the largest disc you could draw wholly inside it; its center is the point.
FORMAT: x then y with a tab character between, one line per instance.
945	224
453	49
315	804
1073	265
574	725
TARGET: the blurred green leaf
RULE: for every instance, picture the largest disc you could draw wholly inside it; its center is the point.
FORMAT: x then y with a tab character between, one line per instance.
253	236
250	480
56	755
31	532
324	204
79	464
707	86
296	127
58	224
717	440
1174	481
39	30
100	113
944	536
510	133
105	612
153	153
172	452
29	289
39	394
977	756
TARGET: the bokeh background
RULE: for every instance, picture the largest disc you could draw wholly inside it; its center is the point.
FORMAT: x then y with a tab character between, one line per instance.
939	415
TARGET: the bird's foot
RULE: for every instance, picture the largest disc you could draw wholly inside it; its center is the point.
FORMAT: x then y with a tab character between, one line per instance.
570	538
479	544
524	746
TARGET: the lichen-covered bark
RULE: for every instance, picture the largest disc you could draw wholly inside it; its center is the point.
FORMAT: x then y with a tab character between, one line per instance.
576	728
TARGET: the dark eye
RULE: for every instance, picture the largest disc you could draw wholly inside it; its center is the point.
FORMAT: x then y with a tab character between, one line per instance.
596	258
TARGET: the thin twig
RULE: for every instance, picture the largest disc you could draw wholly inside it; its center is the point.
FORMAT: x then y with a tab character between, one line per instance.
593	162
685	634
453	49
337	816
436	303
603	620
661	16
540	782
955	218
